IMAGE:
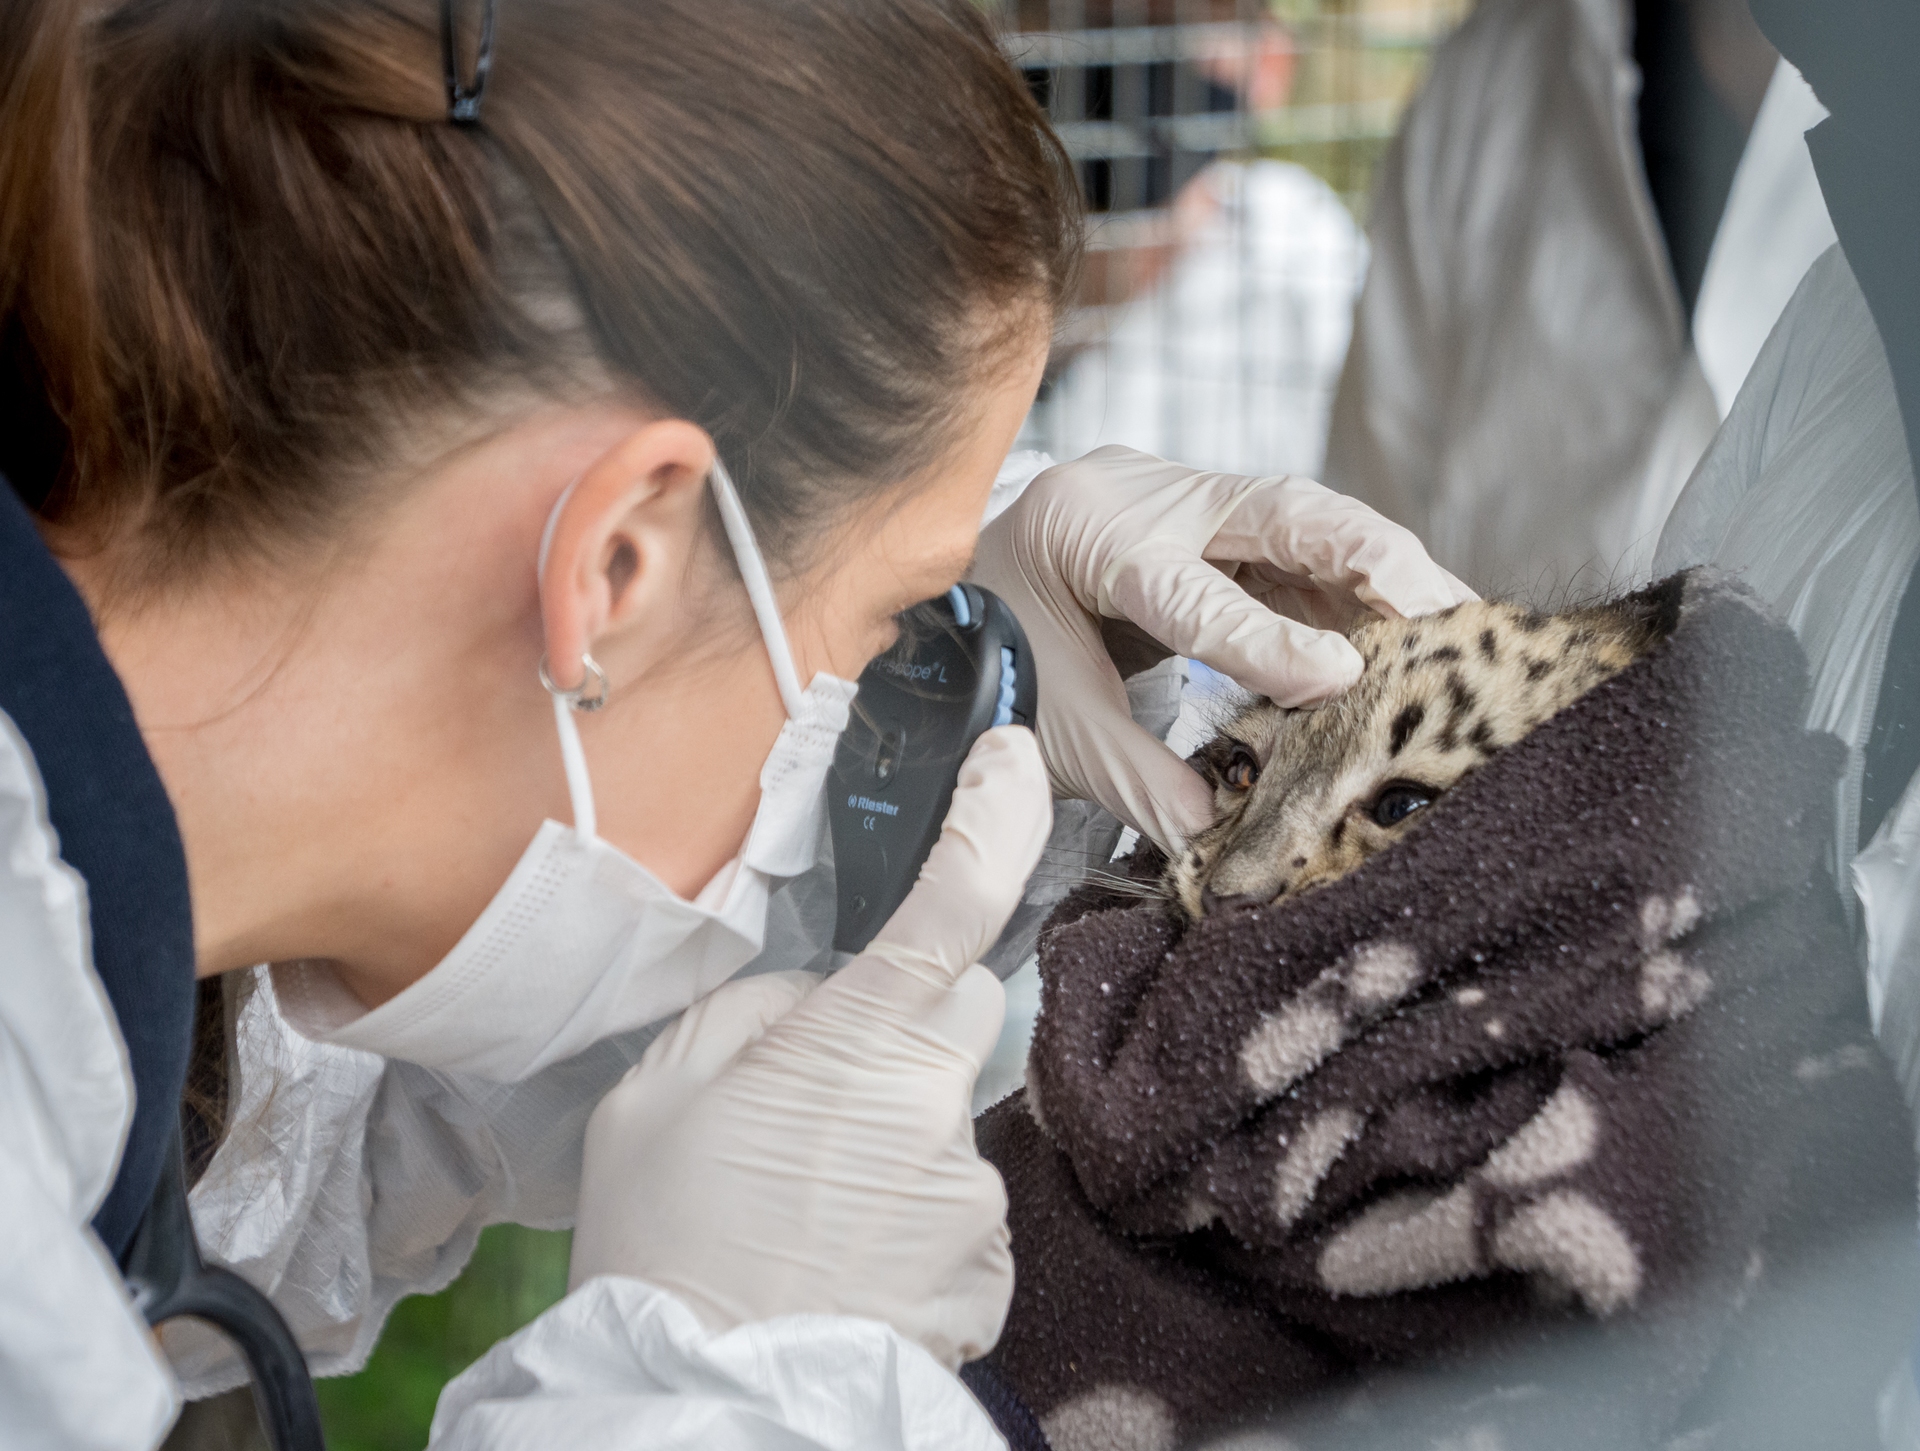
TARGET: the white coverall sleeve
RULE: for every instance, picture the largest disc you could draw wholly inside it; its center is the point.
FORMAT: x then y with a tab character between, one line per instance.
77	1369
67	1331
622	1366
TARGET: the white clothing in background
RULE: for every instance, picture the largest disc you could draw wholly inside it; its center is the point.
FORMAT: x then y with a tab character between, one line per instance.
1521	390
1807	496
1005	1070
1775	225
1017	470
1229	362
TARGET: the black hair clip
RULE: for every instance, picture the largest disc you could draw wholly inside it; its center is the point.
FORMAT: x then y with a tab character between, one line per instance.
463	102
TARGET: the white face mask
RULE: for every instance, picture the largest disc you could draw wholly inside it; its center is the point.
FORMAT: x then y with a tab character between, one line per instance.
583	942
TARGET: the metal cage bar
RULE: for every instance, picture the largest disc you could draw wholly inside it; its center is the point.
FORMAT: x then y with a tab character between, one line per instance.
1217	277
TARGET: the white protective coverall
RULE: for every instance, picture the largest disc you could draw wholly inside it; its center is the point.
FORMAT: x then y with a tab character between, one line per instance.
1807	495
77	1368
1520	390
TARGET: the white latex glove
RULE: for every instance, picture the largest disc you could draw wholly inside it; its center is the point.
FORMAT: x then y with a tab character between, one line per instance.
788	1149
1122	551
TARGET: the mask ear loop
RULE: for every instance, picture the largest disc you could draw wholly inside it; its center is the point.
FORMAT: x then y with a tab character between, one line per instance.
579	787
753	572
565	702
766	609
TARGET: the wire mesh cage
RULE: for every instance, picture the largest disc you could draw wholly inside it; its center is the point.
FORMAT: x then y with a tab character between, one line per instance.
1225	148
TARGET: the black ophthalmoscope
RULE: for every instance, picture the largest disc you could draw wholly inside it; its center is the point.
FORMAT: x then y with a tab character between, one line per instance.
961	667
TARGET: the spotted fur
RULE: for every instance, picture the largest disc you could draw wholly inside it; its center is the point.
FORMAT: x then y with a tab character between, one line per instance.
1305	796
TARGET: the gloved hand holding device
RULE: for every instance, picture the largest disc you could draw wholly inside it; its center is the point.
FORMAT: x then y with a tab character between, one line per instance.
1119	559
791	1149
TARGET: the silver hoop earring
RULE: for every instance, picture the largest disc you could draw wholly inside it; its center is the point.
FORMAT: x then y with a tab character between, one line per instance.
578	698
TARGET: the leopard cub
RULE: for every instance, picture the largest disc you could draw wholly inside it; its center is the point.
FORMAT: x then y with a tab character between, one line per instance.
1305	796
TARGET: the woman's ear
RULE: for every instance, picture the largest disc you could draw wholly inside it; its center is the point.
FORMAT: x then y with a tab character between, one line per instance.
621	538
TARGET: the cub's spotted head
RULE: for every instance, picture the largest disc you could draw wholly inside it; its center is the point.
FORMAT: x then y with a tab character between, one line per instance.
1305	796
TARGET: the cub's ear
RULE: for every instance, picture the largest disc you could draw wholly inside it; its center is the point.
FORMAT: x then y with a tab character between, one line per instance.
1653	612
1212	758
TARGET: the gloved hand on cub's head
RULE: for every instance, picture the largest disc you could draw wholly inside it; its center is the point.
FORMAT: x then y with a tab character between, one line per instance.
1120	559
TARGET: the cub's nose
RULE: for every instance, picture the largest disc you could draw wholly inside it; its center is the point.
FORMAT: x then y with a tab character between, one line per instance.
1212	905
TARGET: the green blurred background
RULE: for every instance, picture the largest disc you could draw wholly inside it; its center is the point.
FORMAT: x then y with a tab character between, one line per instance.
515	1274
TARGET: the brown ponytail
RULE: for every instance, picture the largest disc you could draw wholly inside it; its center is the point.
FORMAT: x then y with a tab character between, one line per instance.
43	238
802	224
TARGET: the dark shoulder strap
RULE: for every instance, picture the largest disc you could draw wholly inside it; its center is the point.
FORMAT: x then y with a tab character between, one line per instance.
1690	142
116	829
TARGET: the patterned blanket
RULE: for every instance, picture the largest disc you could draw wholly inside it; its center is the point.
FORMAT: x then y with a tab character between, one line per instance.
1587	1052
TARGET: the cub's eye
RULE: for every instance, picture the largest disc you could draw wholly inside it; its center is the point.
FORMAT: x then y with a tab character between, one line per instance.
1243	769
1398	801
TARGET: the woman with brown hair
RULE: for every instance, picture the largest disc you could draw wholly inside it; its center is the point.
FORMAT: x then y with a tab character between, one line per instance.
378	404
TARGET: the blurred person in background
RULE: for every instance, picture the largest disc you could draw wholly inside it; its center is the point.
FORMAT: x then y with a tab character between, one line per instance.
1218	294
1590	220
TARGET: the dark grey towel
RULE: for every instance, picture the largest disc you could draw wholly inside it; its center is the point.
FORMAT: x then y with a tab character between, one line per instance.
1565	1057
